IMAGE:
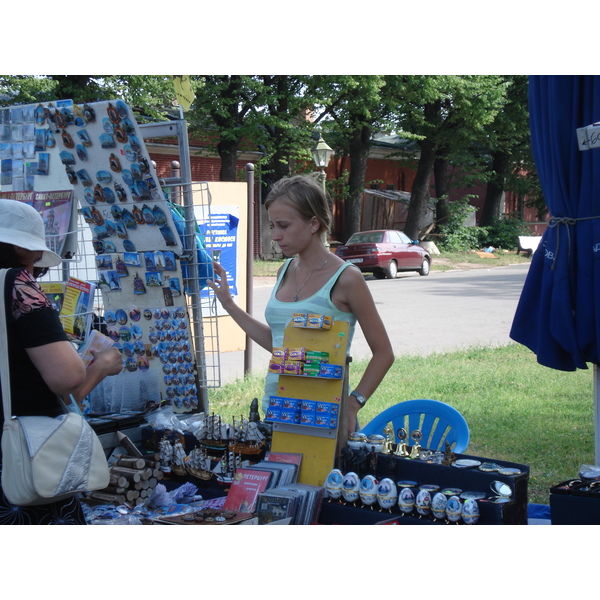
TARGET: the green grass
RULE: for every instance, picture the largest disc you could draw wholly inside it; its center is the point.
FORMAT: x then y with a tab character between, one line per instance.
517	410
449	260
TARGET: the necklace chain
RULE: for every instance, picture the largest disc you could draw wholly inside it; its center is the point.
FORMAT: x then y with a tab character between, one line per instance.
306	281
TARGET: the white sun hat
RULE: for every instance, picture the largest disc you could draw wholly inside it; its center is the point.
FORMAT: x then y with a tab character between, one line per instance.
21	225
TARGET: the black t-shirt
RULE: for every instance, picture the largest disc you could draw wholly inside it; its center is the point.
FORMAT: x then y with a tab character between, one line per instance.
31	322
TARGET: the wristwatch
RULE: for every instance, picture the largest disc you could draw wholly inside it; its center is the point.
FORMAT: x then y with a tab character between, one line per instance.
361	399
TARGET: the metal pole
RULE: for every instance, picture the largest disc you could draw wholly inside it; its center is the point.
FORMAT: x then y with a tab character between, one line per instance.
249	263
176	174
596	415
190	248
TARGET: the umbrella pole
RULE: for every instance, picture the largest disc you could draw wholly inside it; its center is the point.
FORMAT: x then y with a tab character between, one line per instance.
597	414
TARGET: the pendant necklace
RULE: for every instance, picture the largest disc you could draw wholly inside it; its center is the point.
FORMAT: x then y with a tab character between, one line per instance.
306	281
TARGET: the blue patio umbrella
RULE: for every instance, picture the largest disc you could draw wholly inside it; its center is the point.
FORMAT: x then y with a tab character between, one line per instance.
558	314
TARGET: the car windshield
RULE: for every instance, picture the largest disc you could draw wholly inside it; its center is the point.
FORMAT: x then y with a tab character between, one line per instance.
366	237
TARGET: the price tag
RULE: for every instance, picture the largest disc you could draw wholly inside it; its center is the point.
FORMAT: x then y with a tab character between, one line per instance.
589	137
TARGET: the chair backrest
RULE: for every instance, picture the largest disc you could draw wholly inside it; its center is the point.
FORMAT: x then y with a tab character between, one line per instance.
437	421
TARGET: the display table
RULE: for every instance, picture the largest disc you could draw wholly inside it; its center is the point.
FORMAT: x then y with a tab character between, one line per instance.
513	512
575	502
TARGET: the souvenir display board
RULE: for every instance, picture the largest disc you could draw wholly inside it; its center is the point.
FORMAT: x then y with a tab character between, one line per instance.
316	396
96	151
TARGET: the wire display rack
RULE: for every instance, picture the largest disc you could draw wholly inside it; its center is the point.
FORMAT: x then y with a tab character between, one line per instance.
200	300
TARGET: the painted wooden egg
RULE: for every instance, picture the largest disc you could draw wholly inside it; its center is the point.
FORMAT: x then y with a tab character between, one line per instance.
387	494
350	487
453	509
333	484
470	511
368	490
406	500
438	505
423	502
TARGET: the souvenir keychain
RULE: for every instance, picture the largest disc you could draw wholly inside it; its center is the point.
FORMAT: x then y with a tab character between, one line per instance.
71	175
137	215
89	113
112	113
82	134
108	195
120	192
148	215
59	120
115	164
120	135
122	109
159	216
40	115
67	139
138	285
98	194
81	152
103	176
128	219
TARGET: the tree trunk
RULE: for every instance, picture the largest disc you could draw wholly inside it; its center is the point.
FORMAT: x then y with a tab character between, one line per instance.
227	150
359	146
419	198
495	189
442	189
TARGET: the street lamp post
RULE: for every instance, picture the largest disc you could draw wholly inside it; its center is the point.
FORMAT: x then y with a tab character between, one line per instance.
322	154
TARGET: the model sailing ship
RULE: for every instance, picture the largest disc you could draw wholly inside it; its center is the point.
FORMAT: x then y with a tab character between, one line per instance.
243	436
213	434
198	464
248	439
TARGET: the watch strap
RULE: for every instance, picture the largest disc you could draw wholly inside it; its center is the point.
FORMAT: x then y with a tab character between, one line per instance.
361	399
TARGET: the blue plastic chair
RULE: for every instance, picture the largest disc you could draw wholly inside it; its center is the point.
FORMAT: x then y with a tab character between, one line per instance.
437	421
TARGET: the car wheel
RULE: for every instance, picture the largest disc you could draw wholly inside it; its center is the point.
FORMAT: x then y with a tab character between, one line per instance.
391	270
424	270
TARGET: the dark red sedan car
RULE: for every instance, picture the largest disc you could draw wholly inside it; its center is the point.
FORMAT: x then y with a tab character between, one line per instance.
384	252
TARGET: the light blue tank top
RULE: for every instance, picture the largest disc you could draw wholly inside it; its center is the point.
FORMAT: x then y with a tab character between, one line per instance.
278	314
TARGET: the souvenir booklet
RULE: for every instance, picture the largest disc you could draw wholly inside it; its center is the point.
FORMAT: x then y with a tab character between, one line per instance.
55	292
95	342
247	485
77	307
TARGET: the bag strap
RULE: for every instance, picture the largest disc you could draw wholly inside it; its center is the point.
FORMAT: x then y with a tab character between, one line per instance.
4	370
4	364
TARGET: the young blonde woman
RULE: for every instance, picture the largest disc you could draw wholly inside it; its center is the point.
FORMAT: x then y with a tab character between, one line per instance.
314	281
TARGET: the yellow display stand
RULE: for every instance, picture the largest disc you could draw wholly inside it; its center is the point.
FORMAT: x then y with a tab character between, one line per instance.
318	446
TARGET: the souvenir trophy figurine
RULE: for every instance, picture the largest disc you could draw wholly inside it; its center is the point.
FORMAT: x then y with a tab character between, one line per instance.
401	449
449	456
416	436
388	432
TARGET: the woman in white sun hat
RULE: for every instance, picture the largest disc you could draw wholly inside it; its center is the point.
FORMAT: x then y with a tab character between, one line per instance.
43	363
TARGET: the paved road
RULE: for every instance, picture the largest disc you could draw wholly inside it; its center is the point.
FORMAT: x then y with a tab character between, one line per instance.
444	311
